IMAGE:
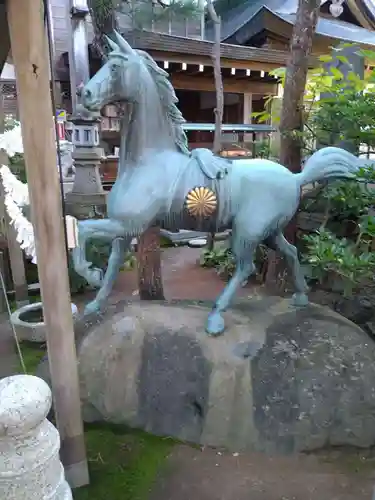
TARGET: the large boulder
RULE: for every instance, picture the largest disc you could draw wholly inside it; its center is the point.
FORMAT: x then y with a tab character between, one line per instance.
280	379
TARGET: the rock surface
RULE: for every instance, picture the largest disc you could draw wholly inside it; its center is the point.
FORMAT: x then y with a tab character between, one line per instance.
279	380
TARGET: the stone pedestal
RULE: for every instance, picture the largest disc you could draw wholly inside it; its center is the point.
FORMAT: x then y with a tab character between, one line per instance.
87	177
30	467
280	379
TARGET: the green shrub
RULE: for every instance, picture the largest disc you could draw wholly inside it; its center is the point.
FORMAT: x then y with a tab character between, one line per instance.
222	259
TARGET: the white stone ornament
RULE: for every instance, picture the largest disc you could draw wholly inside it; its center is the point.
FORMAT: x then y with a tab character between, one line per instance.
16	193
11	141
336	8
16	196
30	467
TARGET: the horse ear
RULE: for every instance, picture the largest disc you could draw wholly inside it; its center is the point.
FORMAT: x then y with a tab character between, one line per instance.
112	44
123	44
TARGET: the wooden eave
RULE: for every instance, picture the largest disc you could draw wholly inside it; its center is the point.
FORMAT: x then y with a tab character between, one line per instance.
265	21
237	18
362	13
322	43
180	49
260	22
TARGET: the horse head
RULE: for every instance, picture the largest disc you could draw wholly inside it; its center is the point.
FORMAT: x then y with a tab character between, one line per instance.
132	76
118	80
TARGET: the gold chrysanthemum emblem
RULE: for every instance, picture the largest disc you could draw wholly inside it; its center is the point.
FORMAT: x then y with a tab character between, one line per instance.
201	202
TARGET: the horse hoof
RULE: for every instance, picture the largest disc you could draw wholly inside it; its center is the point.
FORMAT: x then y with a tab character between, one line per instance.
91	308
300	300
215	324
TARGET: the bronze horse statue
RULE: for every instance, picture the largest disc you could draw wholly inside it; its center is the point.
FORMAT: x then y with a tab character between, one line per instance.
160	181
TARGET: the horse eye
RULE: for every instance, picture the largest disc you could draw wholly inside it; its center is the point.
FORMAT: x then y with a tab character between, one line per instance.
114	68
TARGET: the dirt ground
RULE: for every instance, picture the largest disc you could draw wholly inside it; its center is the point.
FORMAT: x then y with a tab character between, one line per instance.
212	475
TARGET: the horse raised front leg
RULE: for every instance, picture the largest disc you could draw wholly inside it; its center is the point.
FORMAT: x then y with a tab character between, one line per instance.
105	229
300	298
116	259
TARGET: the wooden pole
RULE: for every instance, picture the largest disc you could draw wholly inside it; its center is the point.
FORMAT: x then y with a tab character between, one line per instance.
30	58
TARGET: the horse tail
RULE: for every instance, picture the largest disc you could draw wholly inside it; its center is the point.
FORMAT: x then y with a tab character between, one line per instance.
328	163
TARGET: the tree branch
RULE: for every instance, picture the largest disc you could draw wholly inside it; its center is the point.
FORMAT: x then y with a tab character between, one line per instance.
219	110
212	12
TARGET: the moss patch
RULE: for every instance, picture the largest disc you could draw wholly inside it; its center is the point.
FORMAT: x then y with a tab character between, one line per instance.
123	464
166	243
32	354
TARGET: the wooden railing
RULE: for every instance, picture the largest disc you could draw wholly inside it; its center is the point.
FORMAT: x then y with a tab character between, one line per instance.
240	138
234	135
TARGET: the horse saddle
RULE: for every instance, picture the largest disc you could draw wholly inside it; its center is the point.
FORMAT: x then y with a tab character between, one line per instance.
213	166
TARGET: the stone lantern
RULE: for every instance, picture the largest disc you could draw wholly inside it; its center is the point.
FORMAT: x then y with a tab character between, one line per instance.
83	127
85	134
87	187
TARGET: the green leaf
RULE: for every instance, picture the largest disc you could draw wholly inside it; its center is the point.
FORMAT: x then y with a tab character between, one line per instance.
369	54
326	58
262	116
343	59
337	74
278	72
343	46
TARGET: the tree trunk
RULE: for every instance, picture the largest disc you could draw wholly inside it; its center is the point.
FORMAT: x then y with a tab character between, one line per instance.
150	283
219	89
291	123
104	22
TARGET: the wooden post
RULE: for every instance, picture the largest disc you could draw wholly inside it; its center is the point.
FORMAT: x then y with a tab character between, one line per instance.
30	58
2	111
3	303
17	265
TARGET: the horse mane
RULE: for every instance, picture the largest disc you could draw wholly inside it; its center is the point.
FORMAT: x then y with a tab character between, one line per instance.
168	100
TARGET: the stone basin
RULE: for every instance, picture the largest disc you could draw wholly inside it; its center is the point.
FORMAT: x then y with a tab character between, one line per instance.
28	322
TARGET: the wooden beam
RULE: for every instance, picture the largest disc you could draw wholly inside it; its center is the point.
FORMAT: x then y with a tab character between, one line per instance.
175	57
149	41
186	82
30	58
